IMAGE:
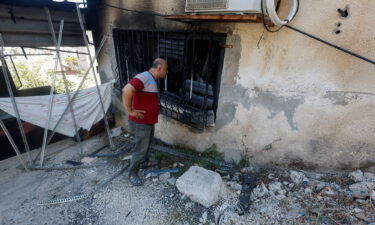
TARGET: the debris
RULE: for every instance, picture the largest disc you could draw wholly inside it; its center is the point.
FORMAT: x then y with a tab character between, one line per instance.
357	176
74	163
251	169
204	218
128	214
364	217
172	181
373	196
297	177
275	188
201	185
329	191
155	179
260	191
300	214
189	205
128	157
115	132
165	176
369	176
88	160
159	172
362	190
234	185
248	184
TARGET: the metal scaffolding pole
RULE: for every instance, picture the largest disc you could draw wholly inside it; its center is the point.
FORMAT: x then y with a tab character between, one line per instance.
104	39
96	81
50	104
11	95
53	50
65	80
2	125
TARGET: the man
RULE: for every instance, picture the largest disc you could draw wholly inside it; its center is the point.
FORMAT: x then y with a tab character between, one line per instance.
140	99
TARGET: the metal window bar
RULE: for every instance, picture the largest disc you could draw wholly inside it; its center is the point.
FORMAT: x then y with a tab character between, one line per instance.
185	52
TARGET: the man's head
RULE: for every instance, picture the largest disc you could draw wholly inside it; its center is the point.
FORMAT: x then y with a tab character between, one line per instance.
159	68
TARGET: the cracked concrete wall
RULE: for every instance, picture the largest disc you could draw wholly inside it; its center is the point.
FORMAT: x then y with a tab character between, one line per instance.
288	99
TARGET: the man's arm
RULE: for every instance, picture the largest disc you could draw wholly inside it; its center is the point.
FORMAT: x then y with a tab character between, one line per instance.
127	100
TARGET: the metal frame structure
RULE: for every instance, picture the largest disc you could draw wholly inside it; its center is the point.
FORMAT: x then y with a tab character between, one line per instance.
46	138
192	103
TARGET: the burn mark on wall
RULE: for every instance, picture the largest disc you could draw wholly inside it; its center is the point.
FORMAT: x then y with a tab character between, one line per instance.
276	104
227	111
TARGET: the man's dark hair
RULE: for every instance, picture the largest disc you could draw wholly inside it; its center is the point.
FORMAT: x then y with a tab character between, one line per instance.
157	63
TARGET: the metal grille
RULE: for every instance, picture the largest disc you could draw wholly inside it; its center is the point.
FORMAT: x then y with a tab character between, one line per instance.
206	4
189	94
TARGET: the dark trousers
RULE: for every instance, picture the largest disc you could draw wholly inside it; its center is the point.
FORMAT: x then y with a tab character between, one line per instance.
143	134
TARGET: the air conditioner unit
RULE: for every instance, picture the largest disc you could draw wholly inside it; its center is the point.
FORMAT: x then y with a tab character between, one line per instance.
223	6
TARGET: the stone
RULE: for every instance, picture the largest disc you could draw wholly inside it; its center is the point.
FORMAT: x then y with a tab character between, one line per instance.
172	181
89	160
362	190
319	186
260	191
357	176
275	187
155	179
201	185
329	191
234	185
164	176
297	177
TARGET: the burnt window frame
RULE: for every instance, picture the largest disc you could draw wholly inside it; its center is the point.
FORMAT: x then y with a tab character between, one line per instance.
136	48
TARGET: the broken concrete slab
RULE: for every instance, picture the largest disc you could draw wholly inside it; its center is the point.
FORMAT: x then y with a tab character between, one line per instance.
201	185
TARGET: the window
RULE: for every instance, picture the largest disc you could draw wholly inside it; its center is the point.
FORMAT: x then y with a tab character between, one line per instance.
190	92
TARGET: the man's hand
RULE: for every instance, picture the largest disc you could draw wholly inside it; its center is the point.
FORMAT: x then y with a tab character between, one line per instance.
139	114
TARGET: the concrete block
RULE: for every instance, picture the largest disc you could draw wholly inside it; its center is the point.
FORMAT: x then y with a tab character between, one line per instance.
201	185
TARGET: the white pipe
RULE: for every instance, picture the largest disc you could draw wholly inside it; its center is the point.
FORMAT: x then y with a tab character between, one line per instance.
271	10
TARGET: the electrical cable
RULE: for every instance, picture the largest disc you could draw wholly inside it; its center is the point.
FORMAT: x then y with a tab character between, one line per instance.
332	45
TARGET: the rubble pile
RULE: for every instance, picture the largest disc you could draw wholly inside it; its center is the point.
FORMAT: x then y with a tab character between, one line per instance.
285	196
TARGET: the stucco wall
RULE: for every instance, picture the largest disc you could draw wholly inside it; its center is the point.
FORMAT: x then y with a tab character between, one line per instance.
285	98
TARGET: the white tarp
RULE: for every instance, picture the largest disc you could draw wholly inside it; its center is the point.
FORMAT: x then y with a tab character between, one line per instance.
86	107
